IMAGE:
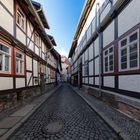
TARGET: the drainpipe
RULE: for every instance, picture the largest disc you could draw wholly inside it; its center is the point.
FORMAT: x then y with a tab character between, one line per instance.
100	50
100	64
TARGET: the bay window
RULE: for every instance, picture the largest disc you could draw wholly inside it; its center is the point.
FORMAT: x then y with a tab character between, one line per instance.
5	58
19	63
109	59
129	52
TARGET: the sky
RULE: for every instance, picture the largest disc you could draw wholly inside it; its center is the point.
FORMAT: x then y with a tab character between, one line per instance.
63	17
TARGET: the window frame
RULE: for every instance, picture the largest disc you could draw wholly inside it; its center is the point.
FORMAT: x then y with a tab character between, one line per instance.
10	59
22	18
107	56
127	46
21	60
36	35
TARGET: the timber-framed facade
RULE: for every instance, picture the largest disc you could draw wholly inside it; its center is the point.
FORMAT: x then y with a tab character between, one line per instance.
105	49
28	60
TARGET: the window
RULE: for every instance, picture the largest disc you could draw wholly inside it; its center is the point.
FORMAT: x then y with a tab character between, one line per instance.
86	68
20	19
4	58
19	63
129	52
109	60
37	39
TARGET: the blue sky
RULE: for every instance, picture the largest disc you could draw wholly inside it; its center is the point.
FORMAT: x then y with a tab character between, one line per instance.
63	16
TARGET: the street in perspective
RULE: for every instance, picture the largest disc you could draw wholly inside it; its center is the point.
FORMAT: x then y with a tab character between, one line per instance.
65	116
69	70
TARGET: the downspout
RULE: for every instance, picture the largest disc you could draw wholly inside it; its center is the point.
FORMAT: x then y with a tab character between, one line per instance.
100	49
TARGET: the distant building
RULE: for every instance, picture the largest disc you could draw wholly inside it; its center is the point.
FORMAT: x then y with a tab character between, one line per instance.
28	61
65	68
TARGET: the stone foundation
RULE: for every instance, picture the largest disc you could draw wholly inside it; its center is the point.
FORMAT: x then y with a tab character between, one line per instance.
9	100
125	104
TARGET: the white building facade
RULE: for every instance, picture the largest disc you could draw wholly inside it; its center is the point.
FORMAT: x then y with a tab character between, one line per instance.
105	50
24	66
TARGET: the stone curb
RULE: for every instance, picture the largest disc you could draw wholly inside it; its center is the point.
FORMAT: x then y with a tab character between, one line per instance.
117	129
9	132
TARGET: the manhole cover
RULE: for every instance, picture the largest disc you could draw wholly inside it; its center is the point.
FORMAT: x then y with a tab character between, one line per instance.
53	127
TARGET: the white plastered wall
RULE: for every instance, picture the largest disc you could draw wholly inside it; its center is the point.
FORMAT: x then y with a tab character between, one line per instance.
30	30
91	52
30	82
96	80
130	82
6	83
90	18
36	50
105	12
86	80
109	81
9	4
31	45
86	55
108	34
20	82
96	46
20	35
91	68
35	64
6	20
129	17
91	80
28	63
97	66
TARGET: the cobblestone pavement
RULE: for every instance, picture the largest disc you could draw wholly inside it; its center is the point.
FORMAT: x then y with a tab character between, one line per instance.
129	126
80	121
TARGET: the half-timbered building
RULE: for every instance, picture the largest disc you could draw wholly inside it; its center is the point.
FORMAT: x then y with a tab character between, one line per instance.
105	51
28	60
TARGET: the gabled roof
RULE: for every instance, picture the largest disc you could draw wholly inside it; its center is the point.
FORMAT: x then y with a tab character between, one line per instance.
42	16
52	40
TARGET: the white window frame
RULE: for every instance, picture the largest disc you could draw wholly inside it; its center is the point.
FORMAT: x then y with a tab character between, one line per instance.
3	59
128	51
36	39
109	54
21	23
19	62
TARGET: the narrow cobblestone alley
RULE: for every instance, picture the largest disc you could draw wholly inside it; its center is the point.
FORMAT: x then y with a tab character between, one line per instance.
78	121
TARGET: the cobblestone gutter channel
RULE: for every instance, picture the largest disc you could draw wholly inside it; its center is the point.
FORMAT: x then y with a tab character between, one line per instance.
126	127
78	120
